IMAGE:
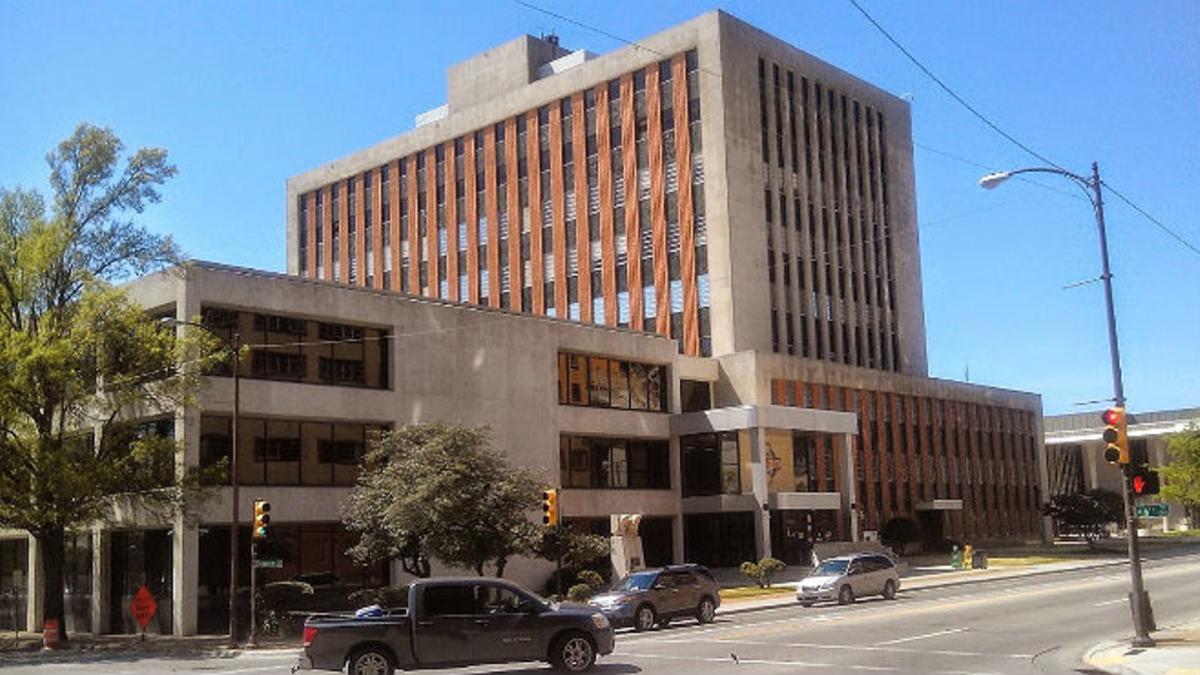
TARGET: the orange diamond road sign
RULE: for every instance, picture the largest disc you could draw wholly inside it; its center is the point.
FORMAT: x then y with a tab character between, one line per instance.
143	606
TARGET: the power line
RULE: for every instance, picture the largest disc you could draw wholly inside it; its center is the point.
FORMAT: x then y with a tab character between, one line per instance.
1009	137
1151	218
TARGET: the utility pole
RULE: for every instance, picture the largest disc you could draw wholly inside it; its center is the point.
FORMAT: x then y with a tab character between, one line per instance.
233	481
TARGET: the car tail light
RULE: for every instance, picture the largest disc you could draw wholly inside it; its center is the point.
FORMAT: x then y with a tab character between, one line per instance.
310	632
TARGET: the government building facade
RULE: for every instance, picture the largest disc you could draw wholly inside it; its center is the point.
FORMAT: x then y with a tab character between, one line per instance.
681	279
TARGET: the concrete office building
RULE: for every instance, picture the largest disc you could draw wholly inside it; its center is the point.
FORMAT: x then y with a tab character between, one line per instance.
1075	457
682	279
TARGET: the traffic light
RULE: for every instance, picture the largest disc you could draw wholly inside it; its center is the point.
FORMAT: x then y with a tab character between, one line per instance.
1116	449
550	507
1145	481
262	519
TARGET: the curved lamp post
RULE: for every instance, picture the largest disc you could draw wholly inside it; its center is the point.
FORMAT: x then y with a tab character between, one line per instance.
233	345
1092	186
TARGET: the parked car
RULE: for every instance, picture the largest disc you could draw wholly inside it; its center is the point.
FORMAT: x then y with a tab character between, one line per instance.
458	622
654	597
848	577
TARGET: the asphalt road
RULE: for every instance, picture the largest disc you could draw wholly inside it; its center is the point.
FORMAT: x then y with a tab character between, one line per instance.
1040	624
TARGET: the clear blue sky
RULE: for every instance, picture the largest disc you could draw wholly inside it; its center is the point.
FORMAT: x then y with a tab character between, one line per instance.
244	95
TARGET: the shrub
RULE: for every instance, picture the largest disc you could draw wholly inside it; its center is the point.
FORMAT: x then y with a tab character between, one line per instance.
592	579
277	600
898	533
761	572
384	596
579	593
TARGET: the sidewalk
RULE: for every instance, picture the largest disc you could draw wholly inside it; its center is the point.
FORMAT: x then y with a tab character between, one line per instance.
211	645
934	576
1177	653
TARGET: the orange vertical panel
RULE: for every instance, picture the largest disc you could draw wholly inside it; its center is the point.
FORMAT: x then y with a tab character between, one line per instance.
377	226
431	222
777	391
414	242
911	453
882	419
868	458
469	199
971	422
557	200
658	197
360	239
492	205
536	254
451	220
310	204
633	242
394	218
513	183
608	251
583	238
344	233
899	471
687	235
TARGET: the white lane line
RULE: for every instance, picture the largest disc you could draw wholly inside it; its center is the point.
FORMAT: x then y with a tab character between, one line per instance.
853	648
258	669
802	664
950	631
1108	602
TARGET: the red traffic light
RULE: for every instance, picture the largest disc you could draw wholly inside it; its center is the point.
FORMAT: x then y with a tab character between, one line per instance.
1112	416
1139	485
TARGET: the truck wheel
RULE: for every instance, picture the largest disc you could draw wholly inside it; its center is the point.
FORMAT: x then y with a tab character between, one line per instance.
371	661
573	653
707	611
644	618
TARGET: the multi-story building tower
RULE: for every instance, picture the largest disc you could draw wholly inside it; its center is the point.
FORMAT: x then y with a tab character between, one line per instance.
712	184
681	279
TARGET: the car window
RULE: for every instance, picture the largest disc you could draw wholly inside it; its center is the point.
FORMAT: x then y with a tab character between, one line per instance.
830	568
882	563
637	582
498	600
450	600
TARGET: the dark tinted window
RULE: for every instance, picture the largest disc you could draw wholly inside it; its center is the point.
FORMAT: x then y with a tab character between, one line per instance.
449	601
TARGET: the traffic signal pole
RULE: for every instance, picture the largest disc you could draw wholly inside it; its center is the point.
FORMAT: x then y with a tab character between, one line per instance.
1139	602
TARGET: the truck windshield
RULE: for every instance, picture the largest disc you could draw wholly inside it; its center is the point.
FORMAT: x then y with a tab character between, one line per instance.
637	582
830	568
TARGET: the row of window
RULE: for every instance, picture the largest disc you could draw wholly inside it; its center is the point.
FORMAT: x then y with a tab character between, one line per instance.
594	462
303	350
837	267
288	452
602	382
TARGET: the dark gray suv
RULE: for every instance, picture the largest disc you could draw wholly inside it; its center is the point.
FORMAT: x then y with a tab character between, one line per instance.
653	597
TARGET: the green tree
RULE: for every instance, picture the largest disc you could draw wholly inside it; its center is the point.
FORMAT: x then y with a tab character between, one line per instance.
441	491
76	354
1182	475
1086	513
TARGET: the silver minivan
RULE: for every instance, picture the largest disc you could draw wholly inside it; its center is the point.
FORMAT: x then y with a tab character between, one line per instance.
848	577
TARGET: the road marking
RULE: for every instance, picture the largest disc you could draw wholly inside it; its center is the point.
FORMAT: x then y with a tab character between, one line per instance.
852	648
802	664
1108	602
949	631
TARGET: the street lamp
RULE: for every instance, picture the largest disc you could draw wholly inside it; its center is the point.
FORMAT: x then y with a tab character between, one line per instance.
1092	186
233	346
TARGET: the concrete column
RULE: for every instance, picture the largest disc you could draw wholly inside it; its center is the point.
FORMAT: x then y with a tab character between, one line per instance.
185	579
1039	440
677	539
33	606
758	483
849	482
101	580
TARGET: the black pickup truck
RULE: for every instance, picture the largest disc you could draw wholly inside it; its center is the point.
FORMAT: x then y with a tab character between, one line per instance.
458	622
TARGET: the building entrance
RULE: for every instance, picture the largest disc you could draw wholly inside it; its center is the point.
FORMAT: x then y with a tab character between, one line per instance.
793	533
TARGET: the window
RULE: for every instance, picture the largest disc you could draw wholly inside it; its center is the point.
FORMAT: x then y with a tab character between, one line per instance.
608	463
711	464
695	395
611	383
448	600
